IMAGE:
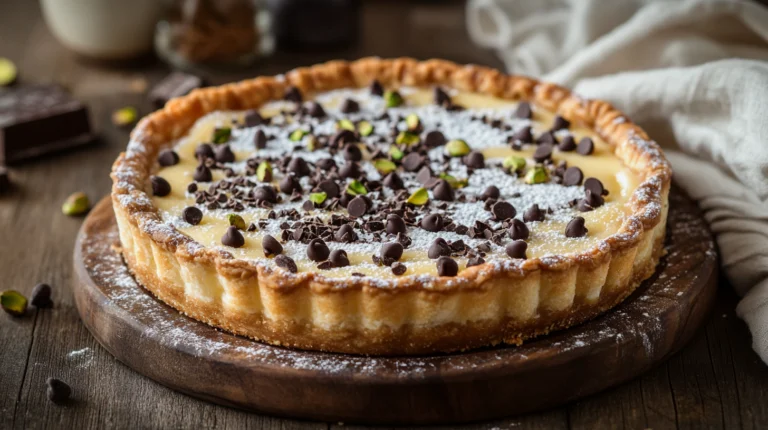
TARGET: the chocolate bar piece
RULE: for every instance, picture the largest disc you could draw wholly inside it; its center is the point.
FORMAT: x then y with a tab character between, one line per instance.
39	119
176	84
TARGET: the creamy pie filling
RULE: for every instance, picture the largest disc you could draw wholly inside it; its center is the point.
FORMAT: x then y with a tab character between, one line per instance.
486	124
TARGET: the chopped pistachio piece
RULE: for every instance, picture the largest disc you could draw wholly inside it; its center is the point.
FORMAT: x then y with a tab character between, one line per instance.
419	197
311	143
392	98
407	138
236	220
514	163
13	302
356	188
365	128
222	134
536	175
384	166
457	148
413	122
345	124
8	72
454	182
76	204
125	116
395	153
264	172
318	198
297	135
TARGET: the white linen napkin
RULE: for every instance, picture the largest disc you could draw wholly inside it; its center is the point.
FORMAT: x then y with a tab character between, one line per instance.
693	74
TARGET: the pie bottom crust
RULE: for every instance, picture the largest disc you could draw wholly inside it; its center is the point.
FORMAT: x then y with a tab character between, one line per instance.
520	308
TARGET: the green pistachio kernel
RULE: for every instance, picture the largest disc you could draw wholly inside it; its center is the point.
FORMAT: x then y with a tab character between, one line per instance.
76	204
393	99
264	172
345	124
365	128
395	153
13	302
413	122
8	72
318	198
384	166
514	163
125	116
356	188
457	148
236	220
311	143
297	135
536	175
407	138
454	182
222	134
419	197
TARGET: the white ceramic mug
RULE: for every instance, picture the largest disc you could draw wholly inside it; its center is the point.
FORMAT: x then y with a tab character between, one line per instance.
104	29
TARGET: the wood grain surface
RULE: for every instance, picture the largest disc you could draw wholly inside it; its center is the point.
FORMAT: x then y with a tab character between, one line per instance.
716	381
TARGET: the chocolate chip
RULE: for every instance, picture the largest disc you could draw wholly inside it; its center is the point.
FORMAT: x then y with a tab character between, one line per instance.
560	123
503	210
518	230
399	269
393	181
299	167
524	135
260	140
516	249
586	146
547	137
594	185
293	94
271	246
357	207
202	174
376	88
253	118
343	136
290	184
224	154
474	159
58	391
533	213
476	261
524	110
490	193
330	188
339	258
192	215
395	224
447	266
441	98
352	152
593	200
350	106
265	193
567	144
285	262
325	164
443	191
346	234
350	170
576	228
168	157
204	151
41	296
413	162
233	237
317	250
315	110
543	152
433	139
432	222
439	248
392	251
160	187
572	176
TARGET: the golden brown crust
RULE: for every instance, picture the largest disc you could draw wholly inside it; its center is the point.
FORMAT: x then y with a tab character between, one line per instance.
535	293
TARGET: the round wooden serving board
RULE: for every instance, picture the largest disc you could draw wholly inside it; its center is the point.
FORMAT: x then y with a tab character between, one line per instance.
201	361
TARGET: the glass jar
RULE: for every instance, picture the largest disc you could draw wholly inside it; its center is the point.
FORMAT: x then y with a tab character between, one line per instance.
227	33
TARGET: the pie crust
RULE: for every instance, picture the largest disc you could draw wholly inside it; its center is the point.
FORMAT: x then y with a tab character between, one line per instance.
484	305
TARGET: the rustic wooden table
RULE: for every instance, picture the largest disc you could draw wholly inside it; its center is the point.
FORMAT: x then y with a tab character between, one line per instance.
716	381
